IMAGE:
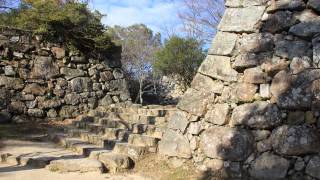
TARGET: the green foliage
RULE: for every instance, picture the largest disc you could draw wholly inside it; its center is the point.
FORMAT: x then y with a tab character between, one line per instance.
180	57
61	21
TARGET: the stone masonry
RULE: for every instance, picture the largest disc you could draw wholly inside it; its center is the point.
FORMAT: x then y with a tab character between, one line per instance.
42	80
252	111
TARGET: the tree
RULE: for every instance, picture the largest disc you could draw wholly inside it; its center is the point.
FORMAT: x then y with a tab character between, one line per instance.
201	18
180	57
63	21
139	45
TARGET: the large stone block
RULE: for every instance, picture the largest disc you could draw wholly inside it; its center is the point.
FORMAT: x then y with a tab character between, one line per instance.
255	76
258	115
71	73
287	5
245	3
44	68
313	167
314	4
306	29
195	102
241	19
256	42
269	166
204	83
218	114
295	140
35	89
316	52
227	143
81	84
223	43
249	60
289	49
174	144
179	121
218	67
11	83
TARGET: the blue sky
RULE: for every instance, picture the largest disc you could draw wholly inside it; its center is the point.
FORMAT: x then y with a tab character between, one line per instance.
156	14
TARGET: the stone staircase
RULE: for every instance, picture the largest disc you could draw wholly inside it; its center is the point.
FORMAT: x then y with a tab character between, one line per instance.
116	136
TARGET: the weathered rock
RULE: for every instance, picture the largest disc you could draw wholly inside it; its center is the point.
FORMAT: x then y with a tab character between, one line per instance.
248	60
316	52
290	49
313	167
246	20
36	113
72	99
314	4
35	89
245	3
299	164
218	114
295	118
295	140
71	73
256	42
76	165
255	76
279	21
81	84
297	65
106	101
117	85
106	76
205	83
179	121
226	143
44	68
195	128
264	145
195	101
118	74
265	90
52	113
269	166
306	29
275	66
223	44
11	83
259	115
245	92
287	5
218	67
59	53
115	162
174	144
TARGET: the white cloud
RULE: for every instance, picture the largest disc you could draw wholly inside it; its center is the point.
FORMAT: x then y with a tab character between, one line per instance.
156	14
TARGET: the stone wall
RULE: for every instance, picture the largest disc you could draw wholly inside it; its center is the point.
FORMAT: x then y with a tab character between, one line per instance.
40	80
253	109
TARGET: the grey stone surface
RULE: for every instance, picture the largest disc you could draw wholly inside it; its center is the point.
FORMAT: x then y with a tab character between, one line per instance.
255	76
174	144
218	114
226	143
81	84
44	68
71	73
179	121
287	5
76	165
269	166
204	83
256	42
246	19
258	115
314	4
218	67
313	167
306	29
223	44
290	49
295	140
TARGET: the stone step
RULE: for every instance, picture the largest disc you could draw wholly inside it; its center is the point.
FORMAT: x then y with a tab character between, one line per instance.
79	146
152	112
116	134
108	123
142	140
98	140
82	165
150	130
134	152
112	161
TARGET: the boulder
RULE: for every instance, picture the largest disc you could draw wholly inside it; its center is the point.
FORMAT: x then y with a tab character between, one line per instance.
44	68
246	20
269	166
259	115
106	76
174	144
179	121
245	92
249	60
306	29
36	113
35	89
279	22
227	143
195	102
72	99
223	44
49	103
256	42
81	84
71	73
291	48
218	114
9	71
205	83
59	53
297	64
295	140
115	162
313	167
218	67
255	76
